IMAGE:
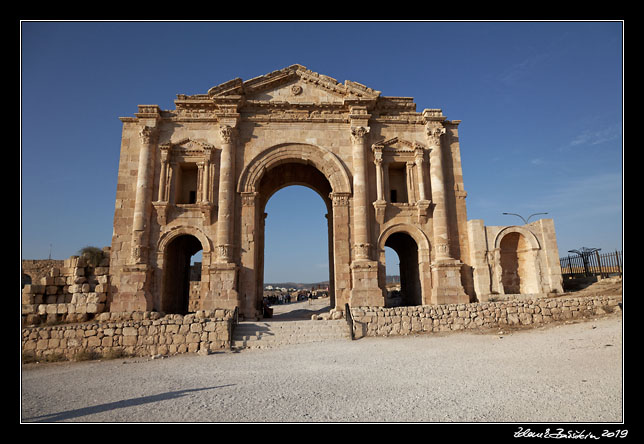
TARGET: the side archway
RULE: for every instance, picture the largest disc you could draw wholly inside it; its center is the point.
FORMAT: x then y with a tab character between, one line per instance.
413	249
517	250
179	293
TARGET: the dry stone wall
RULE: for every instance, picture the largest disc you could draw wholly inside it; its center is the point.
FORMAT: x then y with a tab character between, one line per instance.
378	321
132	334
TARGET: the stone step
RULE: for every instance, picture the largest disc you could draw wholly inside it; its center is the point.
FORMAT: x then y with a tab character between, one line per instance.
266	334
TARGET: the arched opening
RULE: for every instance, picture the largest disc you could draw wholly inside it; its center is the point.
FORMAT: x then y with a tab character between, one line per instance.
296	252
406	249
181	275
514	263
392	278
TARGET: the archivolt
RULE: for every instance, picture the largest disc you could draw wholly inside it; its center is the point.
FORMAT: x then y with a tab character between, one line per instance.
529	236
176	231
416	234
324	160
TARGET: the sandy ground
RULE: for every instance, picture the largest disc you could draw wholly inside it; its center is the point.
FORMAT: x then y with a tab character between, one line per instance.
563	373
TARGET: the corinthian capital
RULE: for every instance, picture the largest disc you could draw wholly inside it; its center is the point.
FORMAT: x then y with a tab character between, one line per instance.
226	133
434	133
358	134
147	135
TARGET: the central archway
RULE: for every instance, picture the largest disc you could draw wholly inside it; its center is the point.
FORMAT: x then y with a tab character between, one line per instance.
276	168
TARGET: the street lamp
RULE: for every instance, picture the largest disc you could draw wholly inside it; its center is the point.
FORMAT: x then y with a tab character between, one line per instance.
525	221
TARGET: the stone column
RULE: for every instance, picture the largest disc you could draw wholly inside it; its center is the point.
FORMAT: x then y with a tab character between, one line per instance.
411	198
377	154
142	200
418	159
162	196
441	237
446	271
380	205
224	271
360	194
226	195
364	271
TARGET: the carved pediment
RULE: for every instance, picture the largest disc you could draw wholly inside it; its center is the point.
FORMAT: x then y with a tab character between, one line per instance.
188	148
294	84
397	145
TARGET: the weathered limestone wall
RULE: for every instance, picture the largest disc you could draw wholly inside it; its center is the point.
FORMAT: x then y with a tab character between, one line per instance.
73	292
135	334
378	321
35	269
515	259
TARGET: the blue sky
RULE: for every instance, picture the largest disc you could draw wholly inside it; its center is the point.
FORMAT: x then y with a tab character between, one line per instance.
541	105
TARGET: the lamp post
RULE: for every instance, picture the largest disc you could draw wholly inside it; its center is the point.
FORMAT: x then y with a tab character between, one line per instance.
525	221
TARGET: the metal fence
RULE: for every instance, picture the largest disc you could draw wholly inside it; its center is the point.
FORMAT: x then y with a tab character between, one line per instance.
594	264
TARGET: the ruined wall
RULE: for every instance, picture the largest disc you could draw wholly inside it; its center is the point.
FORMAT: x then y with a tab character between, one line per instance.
515	259
134	334
378	321
73	291
35	269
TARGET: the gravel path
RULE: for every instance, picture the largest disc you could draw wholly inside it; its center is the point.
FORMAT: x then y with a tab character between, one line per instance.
566	373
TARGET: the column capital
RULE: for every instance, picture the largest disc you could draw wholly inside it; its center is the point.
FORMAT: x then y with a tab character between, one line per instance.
359	134
340	199
147	134
226	133
434	131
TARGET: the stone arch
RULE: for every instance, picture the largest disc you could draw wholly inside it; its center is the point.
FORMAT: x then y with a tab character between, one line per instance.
421	239
324	160
517	250
168	235
529	236
174	249
413	249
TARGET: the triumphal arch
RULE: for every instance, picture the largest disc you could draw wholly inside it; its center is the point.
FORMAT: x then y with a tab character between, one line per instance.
197	178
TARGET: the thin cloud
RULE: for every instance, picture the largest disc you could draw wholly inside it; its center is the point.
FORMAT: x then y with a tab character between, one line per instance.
597	136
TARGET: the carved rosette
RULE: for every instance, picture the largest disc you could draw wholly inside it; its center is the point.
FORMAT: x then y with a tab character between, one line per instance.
434	132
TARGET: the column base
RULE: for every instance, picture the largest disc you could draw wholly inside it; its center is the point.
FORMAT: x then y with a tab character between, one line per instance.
365	291
133	293
222	287
446	283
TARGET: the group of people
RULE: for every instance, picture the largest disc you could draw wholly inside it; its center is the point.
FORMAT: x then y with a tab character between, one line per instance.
286	298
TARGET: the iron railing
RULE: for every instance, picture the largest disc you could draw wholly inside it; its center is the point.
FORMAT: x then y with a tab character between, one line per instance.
594	264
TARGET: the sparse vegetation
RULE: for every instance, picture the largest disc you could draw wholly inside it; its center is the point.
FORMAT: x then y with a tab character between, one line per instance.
93	255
